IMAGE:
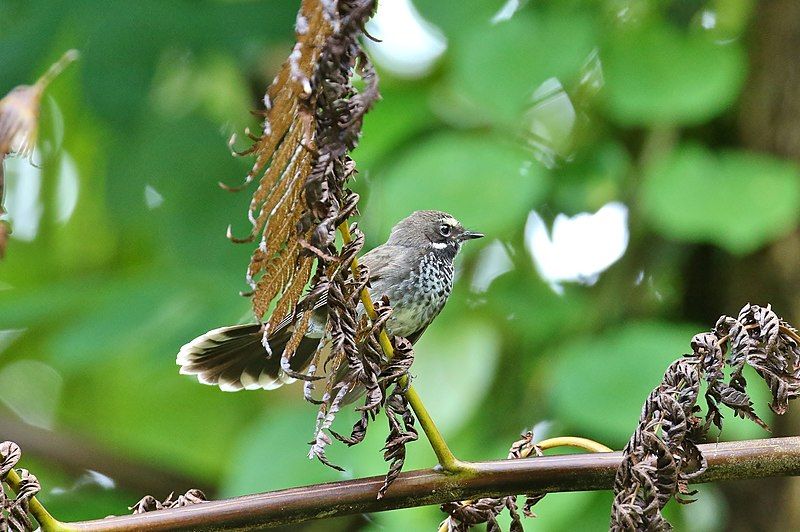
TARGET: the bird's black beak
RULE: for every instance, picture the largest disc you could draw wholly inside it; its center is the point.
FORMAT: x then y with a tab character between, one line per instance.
470	235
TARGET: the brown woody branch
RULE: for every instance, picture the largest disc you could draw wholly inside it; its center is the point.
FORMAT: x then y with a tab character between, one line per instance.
578	472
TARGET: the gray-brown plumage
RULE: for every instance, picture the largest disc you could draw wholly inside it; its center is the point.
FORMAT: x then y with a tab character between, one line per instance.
414	268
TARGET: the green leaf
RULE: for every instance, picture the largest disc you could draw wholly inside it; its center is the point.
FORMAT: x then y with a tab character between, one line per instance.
600	383
486	183
138	406
737	200
592	178
420	518
270	452
72	496
499	66
452	356
404	106
657	75
455	18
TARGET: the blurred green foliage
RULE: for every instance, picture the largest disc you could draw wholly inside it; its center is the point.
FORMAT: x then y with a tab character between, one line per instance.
658	74
562	108
754	198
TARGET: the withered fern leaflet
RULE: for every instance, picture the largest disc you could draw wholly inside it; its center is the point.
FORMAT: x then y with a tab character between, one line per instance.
662	455
14	509
313	116
464	515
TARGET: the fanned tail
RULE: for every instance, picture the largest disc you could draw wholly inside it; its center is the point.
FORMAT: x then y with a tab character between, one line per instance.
234	358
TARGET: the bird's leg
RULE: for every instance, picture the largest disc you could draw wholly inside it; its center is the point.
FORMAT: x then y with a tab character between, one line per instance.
444	455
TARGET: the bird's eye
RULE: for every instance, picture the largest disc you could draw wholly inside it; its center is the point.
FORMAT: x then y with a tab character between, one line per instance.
444	229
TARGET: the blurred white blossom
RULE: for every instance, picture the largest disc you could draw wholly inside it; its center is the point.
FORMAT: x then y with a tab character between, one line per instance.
152	197
493	262
410	45
508	10
579	247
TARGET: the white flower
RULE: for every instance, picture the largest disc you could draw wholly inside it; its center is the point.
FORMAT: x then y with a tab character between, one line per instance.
492	263
581	247
410	45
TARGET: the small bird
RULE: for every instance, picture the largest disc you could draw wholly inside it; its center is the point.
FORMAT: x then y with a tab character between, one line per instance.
414	269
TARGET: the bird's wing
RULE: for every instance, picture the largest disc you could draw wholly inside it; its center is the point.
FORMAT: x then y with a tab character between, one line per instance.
378	261
382	260
413	337
320	305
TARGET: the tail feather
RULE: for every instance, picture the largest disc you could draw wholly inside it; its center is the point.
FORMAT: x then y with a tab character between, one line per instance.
234	358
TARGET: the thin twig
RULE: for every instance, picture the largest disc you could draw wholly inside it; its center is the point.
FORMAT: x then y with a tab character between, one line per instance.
572	441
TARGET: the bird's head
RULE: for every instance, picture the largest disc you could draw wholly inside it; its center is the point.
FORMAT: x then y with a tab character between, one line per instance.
436	230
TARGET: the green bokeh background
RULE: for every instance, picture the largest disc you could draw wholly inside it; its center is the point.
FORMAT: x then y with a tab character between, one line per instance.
94	307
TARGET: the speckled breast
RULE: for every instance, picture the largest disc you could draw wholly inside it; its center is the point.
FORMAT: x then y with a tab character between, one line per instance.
420	297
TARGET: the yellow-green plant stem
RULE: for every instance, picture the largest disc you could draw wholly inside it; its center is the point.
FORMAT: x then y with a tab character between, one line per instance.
550	443
572	441
444	455
46	521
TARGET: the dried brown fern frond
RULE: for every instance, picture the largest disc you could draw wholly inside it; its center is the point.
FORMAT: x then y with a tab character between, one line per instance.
352	363
148	503
383	384
312	122
662	455
464	515
14	509
355	365
401	430
312	119
19	124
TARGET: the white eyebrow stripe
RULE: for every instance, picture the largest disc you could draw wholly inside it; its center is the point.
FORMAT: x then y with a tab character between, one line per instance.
450	221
